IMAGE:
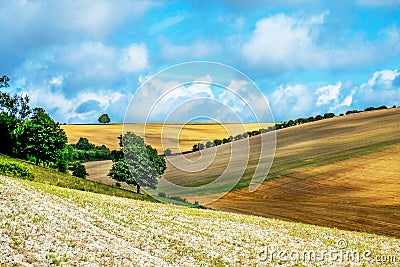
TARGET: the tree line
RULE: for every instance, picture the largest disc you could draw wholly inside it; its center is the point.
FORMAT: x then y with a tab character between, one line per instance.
277	126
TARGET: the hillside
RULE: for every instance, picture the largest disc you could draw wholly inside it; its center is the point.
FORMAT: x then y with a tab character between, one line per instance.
341	172
45	225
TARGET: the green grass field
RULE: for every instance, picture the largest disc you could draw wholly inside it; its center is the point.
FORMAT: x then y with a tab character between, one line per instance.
53	177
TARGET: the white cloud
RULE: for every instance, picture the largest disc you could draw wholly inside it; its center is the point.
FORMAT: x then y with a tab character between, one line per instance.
134	58
328	93
379	90
292	101
284	42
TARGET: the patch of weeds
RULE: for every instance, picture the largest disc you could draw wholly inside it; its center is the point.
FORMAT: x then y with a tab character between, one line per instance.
72	245
53	259
16	241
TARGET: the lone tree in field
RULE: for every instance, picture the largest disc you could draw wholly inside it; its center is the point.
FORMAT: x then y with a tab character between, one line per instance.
141	166
104	118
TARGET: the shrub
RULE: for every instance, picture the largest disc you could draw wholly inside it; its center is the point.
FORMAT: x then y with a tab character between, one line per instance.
177	198
79	170
167	152
162	194
15	170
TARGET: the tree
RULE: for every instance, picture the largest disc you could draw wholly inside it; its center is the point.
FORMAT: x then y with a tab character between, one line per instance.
141	166
79	170
329	115
84	144
318	118
40	139
104	118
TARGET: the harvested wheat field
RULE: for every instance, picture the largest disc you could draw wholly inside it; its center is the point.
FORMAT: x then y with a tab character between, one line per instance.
342	172
187	134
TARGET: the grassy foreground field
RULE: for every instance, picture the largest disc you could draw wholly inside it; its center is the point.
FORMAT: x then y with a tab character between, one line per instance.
43	225
188	134
342	172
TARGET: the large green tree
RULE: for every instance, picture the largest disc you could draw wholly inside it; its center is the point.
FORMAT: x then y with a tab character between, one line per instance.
141	165
40	138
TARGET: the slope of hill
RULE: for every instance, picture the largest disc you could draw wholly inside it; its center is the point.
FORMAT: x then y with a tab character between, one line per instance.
42	225
342	172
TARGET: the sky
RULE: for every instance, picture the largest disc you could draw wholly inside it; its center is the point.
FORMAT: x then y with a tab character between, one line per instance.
79	59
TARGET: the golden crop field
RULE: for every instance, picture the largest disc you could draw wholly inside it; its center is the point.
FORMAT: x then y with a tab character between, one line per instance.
187	134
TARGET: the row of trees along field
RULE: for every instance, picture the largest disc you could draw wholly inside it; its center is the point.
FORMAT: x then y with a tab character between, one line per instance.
282	125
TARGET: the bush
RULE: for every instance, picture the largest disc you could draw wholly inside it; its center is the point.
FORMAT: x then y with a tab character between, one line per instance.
79	170
15	170
162	194
167	152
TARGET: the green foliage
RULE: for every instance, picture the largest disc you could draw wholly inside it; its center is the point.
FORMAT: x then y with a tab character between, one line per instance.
157	161
84	144
15	170
84	151
141	166
117	155
104	118
318	118
120	172
40	138
79	170
352	111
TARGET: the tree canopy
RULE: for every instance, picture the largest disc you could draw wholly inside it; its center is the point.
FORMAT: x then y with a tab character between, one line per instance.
104	118
141	165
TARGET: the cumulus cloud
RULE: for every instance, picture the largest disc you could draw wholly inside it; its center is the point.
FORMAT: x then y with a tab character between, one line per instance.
292	101
282	42
135	58
380	89
328	93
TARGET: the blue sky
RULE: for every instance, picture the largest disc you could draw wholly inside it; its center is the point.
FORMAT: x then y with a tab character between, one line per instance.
78	59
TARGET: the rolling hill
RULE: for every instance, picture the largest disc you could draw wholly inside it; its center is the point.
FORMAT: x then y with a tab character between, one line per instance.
342	172
46	225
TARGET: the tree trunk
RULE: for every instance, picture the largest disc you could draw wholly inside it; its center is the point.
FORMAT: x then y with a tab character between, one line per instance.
138	189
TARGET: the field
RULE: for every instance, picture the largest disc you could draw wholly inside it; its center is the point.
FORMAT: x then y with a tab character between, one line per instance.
46	225
341	172
187	134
